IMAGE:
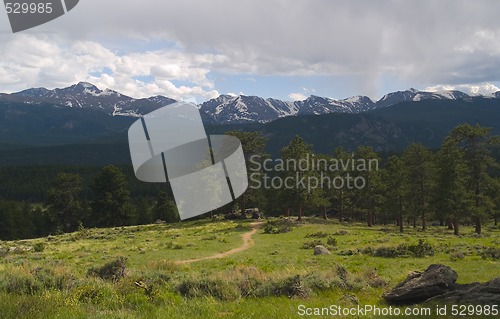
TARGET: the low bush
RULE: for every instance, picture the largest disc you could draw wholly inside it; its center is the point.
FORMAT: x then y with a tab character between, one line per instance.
278	226
39	247
172	245
212	287
114	270
421	249
311	244
20	284
243	282
95	292
491	253
22	281
318	234
457	256
294	286
330	241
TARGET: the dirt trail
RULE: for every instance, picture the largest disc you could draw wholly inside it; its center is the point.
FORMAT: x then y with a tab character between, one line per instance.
247	243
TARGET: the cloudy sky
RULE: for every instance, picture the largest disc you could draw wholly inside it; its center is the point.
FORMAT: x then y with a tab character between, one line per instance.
286	49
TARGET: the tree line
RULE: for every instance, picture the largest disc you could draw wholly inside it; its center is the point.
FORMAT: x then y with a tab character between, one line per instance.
455	185
64	210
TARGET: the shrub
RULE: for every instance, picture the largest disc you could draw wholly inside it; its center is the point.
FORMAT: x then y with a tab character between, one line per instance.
491	253
342	232
217	288
278	227
39	247
419	250
172	245
318	234
95	293
49	279
311	244
21	284
29	282
456	256
212	237
293	287
388	252
249	280
349	252
374	280
331	241
114	270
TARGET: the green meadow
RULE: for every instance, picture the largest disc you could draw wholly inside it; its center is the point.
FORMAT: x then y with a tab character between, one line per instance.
75	275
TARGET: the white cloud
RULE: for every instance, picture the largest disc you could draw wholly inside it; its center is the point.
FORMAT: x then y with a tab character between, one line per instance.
417	42
34	61
297	96
473	89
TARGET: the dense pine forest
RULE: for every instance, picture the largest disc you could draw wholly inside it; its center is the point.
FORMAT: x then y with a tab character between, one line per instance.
457	184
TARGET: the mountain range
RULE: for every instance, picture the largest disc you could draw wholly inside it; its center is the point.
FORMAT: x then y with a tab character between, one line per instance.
83	125
225	109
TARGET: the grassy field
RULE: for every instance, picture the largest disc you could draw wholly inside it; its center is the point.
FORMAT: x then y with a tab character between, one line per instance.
60	276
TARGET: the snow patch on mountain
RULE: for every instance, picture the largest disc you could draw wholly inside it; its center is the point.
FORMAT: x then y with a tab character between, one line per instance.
226	108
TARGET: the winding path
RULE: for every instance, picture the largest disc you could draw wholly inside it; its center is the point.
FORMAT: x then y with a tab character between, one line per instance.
247	243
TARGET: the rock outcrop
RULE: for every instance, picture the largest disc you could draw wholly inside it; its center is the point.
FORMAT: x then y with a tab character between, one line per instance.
487	293
438	284
420	286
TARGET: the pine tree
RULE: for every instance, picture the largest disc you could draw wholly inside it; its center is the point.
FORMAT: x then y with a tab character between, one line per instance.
300	195
418	161
396	189
165	209
369	197
451	198
111	205
253	145
341	197
476	141
63	206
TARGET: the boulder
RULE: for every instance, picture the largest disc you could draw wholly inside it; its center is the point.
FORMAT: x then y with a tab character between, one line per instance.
487	293
321	250
419	286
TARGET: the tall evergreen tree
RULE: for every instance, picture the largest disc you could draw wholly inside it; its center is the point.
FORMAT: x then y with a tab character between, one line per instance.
396	189
476	141
253	144
368	198
8	225
165	209
340	197
299	195
63	206
419	167
111	205
450	197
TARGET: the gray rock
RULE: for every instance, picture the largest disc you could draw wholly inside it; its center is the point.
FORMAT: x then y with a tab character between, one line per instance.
487	293
321	250
420	286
